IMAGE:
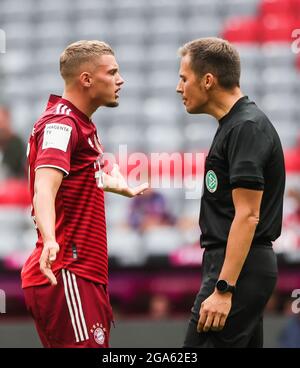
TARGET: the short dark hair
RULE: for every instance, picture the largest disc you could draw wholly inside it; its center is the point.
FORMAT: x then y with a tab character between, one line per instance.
216	56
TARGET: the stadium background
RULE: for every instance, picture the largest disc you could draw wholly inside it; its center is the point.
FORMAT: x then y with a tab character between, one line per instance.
155	260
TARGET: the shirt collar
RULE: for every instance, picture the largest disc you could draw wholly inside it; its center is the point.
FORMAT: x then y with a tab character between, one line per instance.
54	99
238	103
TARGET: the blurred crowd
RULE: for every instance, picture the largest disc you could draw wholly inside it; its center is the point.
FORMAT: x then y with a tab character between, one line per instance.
147	226
12	148
150	231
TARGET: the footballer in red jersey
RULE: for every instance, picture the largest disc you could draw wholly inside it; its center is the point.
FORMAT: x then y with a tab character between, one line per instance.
65	278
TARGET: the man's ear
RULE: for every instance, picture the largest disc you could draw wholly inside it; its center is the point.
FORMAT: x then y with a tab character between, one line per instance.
85	79
209	81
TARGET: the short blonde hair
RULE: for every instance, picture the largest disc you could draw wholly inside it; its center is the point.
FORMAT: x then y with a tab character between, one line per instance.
81	52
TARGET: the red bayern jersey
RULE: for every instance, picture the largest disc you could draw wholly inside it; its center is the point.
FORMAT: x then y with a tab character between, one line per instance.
66	139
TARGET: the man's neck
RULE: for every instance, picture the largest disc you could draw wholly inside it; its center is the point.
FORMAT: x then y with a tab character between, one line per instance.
223	103
79	102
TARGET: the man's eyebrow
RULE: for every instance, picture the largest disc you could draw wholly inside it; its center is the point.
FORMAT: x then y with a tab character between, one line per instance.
113	69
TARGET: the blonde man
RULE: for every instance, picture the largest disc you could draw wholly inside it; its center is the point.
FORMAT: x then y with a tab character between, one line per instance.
65	278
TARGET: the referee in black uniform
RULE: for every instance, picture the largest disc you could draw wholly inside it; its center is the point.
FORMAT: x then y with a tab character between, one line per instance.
241	205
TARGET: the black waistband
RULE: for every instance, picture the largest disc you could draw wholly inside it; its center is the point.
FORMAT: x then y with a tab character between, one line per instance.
253	246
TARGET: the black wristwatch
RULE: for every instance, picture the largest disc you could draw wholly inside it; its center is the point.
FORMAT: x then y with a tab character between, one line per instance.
223	287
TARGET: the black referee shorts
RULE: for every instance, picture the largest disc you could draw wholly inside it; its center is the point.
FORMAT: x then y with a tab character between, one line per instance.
244	325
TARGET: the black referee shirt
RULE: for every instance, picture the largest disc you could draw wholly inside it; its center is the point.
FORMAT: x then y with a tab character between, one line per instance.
245	153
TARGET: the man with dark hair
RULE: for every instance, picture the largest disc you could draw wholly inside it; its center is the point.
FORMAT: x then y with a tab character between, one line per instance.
65	278
241	205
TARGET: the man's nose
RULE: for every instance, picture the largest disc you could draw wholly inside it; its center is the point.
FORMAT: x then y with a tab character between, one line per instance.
178	88
120	81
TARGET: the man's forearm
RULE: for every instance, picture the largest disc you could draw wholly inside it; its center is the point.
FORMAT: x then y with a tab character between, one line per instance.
116	183
44	208
239	241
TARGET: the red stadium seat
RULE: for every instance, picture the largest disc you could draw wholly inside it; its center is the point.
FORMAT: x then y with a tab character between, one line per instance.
14	192
298	62
277	28
292	158
242	29
296	6
276	7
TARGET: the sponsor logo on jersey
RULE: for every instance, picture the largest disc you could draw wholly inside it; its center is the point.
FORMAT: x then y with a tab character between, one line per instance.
57	136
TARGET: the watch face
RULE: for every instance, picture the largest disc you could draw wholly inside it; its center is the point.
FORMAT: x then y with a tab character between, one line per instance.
222	285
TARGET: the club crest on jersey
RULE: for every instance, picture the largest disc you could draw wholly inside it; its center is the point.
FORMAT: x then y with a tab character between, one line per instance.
98	332
211	181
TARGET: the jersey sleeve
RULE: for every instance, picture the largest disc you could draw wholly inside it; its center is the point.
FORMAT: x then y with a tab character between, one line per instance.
248	149
55	144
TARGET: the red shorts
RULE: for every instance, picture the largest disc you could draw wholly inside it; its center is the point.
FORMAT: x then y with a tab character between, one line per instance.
76	313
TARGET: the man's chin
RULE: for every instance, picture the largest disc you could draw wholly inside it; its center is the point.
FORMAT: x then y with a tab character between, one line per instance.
191	111
112	104
194	110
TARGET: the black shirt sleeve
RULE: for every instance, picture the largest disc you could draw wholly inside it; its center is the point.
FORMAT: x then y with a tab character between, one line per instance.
248	149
